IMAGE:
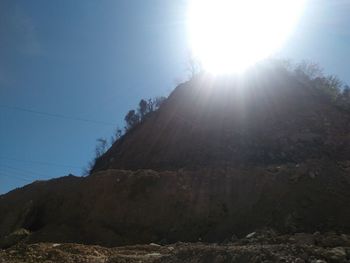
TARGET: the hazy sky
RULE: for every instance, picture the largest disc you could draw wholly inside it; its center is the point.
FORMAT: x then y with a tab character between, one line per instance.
95	60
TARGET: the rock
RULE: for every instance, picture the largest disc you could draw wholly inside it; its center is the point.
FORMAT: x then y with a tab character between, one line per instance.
252	251
14	238
318	261
302	239
154	244
331	239
154	254
338	254
251	235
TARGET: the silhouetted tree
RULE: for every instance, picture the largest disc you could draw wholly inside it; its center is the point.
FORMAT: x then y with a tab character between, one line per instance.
131	119
343	99
346	91
150	105
101	147
119	133
309	70
334	82
194	67
328	86
158	101
116	136
143	108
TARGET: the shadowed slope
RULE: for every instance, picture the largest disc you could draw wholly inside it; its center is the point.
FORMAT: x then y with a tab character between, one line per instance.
267	117
123	207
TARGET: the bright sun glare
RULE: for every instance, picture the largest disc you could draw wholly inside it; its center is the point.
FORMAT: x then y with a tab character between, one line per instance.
228	36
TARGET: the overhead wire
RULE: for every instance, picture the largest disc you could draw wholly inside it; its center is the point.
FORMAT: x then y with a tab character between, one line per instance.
26	175
22	171
16	176
40	162
56	115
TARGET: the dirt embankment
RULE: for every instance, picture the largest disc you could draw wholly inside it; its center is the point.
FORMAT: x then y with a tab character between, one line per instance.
117	207
268	119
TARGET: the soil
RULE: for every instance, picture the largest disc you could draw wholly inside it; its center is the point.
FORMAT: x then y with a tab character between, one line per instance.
117	207
208	123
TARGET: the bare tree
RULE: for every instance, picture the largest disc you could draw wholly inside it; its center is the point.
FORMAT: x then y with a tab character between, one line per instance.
143	108
101	147
118	133
150	105
334	82
346	91
131	119
158	101
116	136
194	67
309	69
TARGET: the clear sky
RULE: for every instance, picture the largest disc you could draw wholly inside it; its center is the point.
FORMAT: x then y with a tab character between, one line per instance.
94	60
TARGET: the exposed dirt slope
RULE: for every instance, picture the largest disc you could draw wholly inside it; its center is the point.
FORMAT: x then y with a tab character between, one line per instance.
117	207
267	118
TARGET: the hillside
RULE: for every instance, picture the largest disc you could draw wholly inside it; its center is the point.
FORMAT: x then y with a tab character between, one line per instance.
221	157
117	207
268	117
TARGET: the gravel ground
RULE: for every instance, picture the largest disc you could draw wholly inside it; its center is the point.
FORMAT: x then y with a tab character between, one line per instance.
257	247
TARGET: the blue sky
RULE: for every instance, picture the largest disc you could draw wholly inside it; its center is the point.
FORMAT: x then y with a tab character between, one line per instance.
96	59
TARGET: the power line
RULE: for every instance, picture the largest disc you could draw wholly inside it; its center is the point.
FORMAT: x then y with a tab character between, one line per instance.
22	171
14	174
16	177
40	162
21	174
55	115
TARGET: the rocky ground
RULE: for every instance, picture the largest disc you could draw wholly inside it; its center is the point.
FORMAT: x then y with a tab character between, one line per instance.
263	246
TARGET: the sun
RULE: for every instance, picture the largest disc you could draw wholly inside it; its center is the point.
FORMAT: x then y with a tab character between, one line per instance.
228	36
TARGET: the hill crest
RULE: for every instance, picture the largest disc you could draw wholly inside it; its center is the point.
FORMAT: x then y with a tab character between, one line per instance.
267	117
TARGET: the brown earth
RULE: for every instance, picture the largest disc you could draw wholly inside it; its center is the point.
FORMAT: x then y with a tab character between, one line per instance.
117	207
265	118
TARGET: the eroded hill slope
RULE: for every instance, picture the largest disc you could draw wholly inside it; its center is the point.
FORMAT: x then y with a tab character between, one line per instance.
117	207
267	118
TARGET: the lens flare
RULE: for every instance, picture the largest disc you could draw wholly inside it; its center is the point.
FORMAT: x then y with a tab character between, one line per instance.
230	35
